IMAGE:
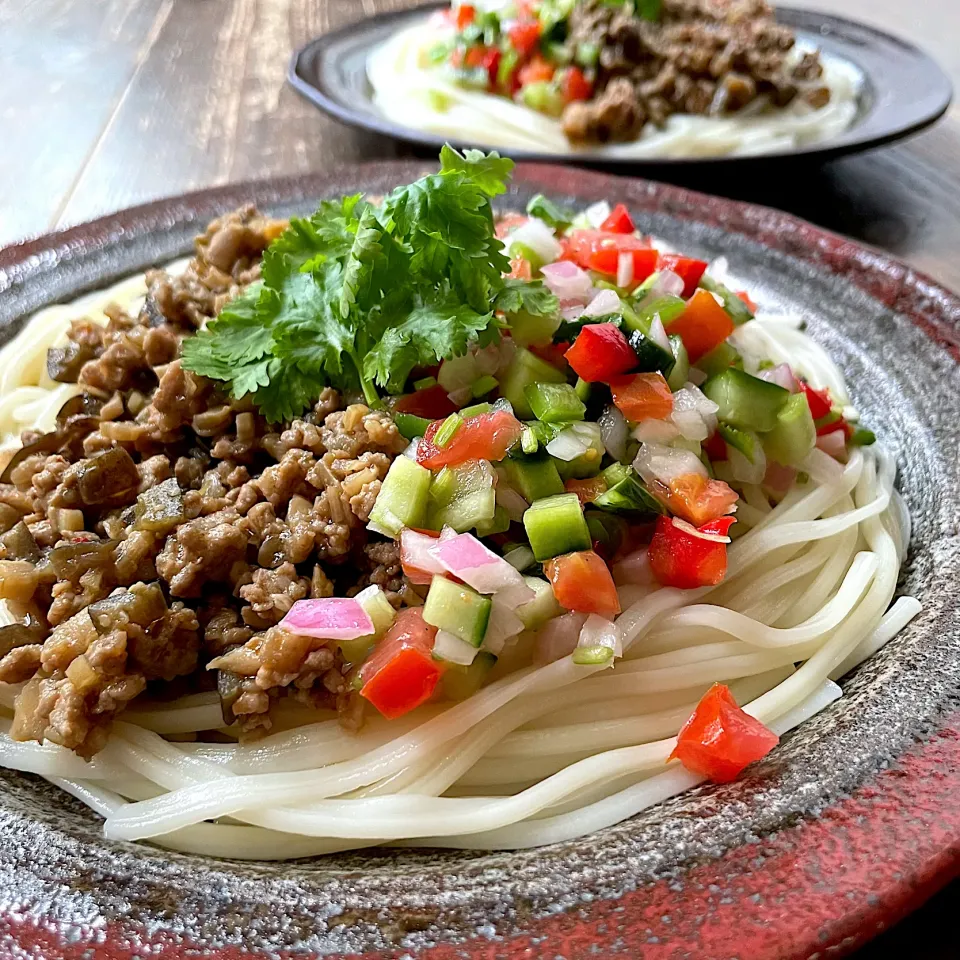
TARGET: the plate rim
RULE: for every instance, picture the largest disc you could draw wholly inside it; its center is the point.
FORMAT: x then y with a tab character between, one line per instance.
927	857
847	143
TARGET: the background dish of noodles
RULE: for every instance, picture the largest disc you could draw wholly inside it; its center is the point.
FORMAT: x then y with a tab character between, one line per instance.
865	726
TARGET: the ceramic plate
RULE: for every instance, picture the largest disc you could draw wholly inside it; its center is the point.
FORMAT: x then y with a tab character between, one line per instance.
902	90
853	821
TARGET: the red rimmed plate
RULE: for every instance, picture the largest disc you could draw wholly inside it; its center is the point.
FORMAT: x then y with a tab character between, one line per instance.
850	823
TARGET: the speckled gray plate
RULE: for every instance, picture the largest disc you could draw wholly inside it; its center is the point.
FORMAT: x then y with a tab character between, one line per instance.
821	845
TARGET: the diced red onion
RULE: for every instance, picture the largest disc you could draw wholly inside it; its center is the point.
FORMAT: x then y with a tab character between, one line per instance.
596	213
461	398
566	446
782	376
634	568
331	618
568	281
416	552
656	431
603	304
744	470
468	559
449	647
600	632
833	444
656	462
536	235
625	270
613	432
559	637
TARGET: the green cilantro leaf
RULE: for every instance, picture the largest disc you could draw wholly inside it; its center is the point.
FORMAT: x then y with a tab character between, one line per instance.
525	296
489	171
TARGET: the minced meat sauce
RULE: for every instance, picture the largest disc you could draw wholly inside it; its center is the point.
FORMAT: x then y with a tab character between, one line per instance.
154	541
710	57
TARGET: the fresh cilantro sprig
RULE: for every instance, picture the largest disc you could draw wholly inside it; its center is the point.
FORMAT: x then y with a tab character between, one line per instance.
356	296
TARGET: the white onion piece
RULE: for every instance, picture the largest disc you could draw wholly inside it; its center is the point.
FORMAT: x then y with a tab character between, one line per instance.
559	637
597	631
605	303
572	313
743	470
566	446
511	501
634	568
503	625
411	451
625	270
658	335
696	376
596	213
656	431
488	359
613	432
447	646
693	414
782	376
458	373
536	235
656	462
719	270
568	281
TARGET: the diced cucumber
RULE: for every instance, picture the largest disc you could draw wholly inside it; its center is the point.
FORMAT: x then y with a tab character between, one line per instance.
651	357
461	497
520	557
483	386
592	656
378	608
461	683
410	425
457	609
357	650
544	97
534	478
523	369
719	359
402	500
645	287
681	369
555	526
668	308
526	328
794	435
554	402
615	473
737	310
499	523
746	401
628	496
543	607
746	441
583	389
606	529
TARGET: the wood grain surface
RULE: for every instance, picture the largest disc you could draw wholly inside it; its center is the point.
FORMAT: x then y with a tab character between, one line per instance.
109	103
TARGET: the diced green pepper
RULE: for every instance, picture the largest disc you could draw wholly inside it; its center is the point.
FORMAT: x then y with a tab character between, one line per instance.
556	526
410	425
425	383
627	494
746	441
719	359
554	402
524	368
745	401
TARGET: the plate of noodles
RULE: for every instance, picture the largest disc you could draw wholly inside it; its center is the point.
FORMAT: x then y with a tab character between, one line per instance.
473	559
626	82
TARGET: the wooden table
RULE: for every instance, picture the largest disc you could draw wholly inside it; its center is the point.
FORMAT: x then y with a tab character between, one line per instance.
109	103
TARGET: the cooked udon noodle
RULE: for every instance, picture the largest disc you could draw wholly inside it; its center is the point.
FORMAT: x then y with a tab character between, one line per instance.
410	92
543	754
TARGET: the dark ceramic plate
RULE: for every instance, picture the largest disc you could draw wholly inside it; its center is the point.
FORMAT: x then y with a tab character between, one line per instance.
853	821
903	90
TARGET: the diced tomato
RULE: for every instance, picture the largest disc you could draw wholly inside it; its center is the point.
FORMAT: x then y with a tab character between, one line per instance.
680	558
432	403
703	325
600	250
600	353
619	221
474	57
537	70
486	437
520	269
582	581
834	426
720	740
575	86
507	224
644	396
715	447
696	499
586	490
524	36
401	673
690	271
552	353
466	14
746	298
491	63
818	400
